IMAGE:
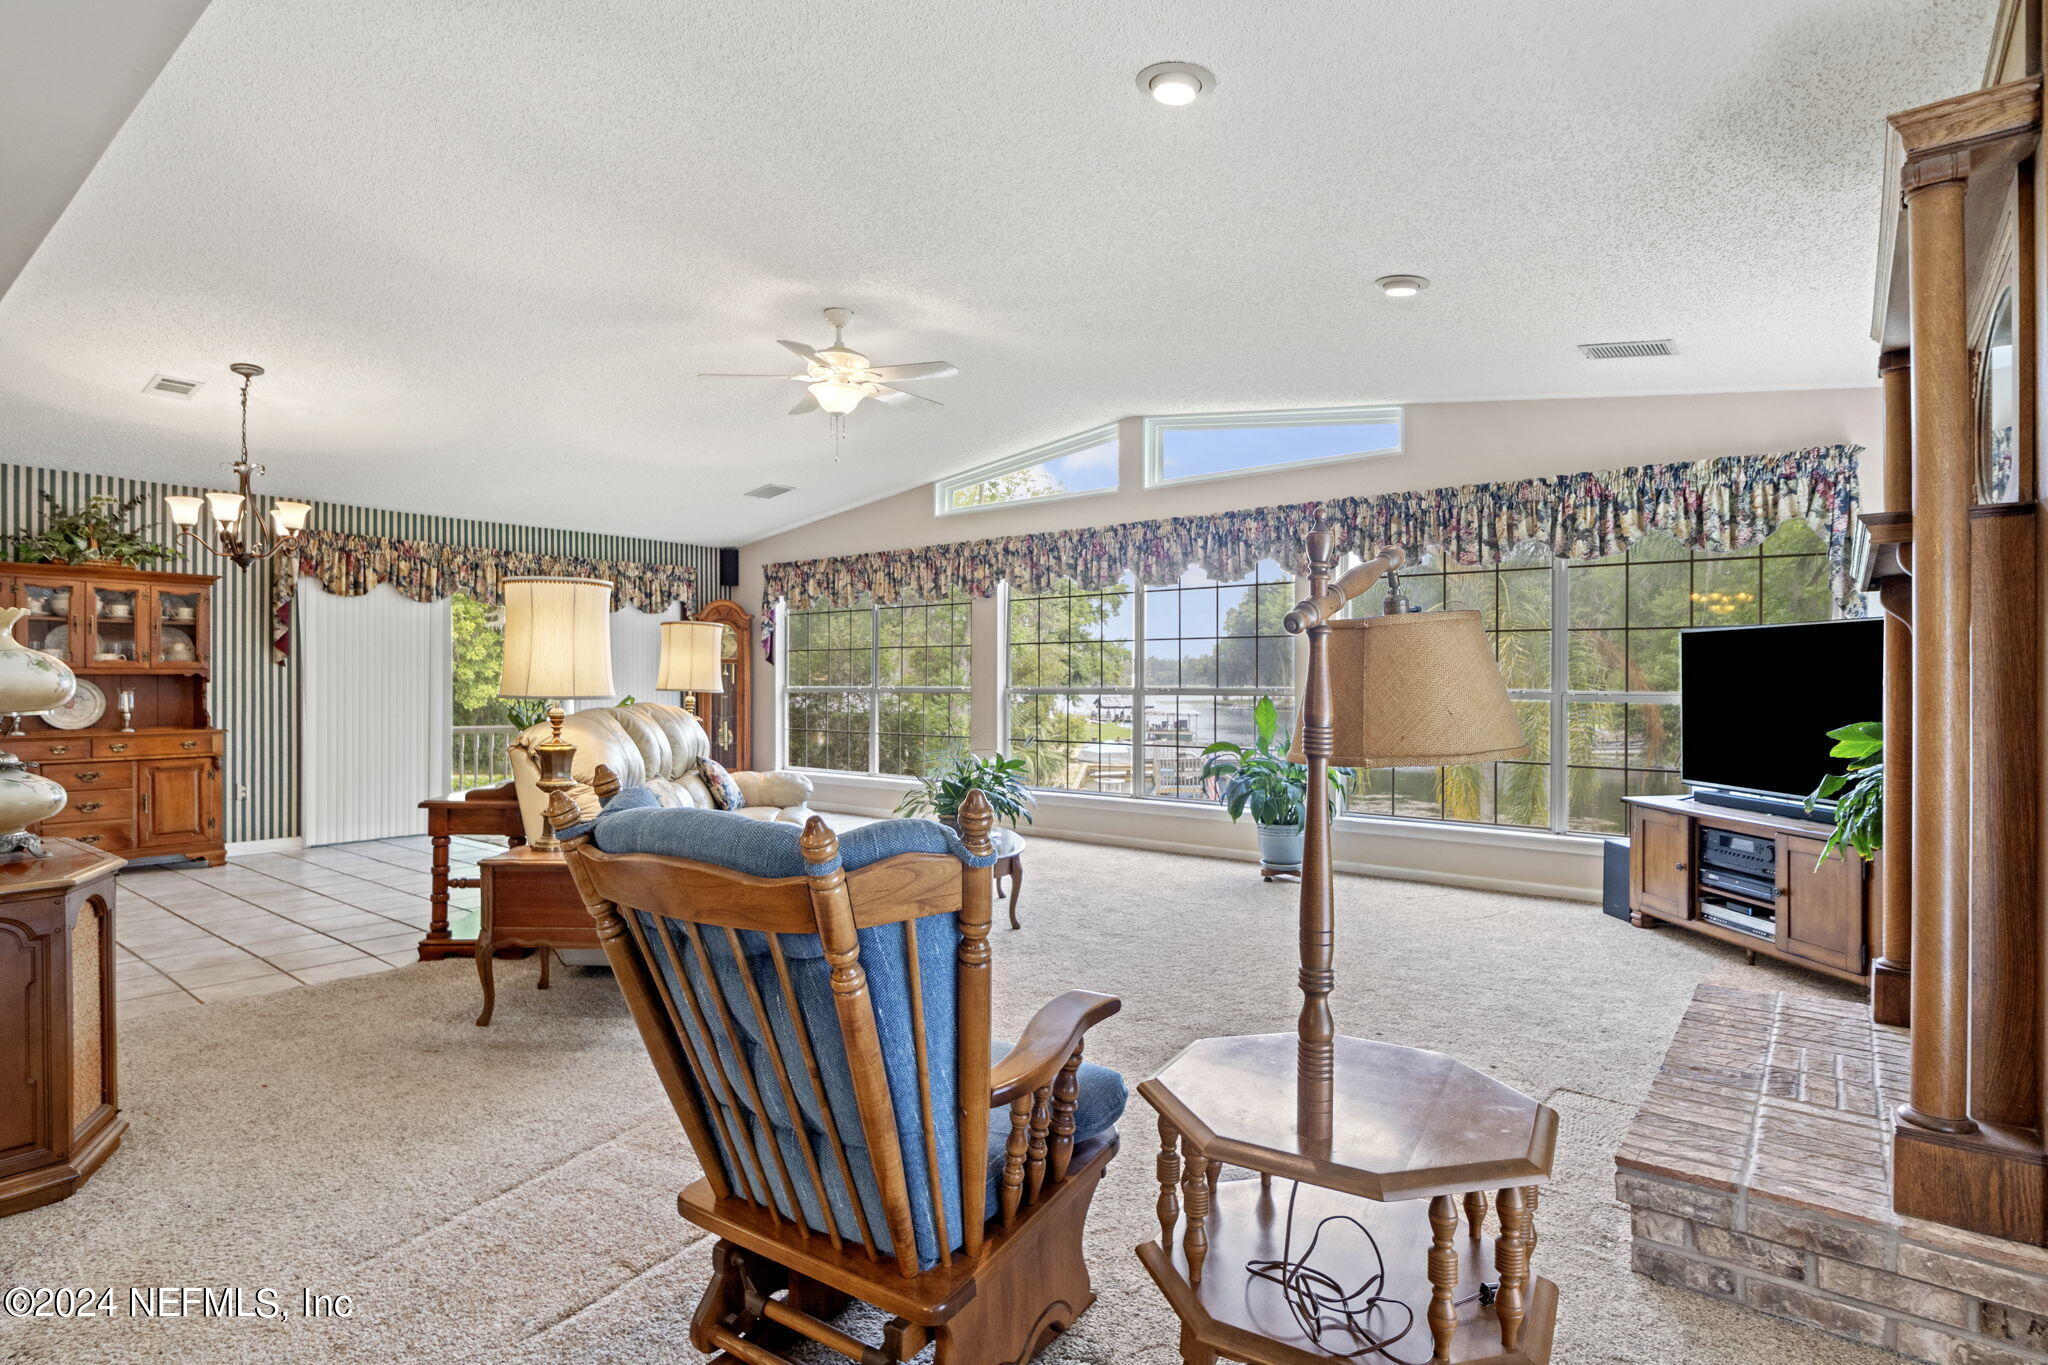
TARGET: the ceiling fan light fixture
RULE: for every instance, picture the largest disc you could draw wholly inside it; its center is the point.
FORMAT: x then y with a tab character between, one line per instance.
838	396
1401	286
1175	83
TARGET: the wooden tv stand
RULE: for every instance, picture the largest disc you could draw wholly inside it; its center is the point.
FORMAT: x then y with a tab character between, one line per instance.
1822	912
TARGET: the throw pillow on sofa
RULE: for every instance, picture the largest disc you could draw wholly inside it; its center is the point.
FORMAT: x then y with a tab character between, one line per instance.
725	793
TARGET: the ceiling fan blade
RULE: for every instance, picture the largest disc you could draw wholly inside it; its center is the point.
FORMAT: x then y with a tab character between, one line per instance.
926	369
703	375
899	398
807	403
800	349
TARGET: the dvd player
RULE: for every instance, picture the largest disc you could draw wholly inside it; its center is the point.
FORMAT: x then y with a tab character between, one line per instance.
1742	919
1741	884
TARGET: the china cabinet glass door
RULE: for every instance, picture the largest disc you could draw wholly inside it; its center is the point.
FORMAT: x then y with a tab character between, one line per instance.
180	627
54	607
120	631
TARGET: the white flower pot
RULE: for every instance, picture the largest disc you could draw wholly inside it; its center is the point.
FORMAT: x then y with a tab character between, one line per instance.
1280	845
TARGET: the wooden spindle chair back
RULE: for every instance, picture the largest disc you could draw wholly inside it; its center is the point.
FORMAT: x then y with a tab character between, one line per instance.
735	1048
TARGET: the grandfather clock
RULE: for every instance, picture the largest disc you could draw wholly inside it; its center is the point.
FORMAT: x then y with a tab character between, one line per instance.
727	715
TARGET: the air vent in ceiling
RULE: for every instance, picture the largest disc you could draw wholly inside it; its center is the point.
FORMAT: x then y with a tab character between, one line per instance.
1623	350
768	490
171	388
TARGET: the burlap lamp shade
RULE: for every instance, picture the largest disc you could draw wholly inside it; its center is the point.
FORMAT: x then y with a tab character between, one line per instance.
1417	689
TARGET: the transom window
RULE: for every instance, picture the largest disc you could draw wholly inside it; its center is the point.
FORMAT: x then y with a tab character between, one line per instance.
1068	468
1182	449
881	689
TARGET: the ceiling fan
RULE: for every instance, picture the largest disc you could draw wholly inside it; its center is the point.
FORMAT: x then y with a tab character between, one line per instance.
838	379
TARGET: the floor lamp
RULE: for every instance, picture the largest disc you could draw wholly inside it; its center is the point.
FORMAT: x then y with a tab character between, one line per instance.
1397	1143
558	647
692	659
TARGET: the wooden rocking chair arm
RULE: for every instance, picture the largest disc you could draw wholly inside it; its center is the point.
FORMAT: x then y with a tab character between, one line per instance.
1048	1040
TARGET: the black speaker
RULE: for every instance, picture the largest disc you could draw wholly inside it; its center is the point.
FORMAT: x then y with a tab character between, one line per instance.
1614	877
728	568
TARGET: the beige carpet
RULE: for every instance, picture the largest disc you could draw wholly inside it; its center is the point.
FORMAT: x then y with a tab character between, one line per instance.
506	1194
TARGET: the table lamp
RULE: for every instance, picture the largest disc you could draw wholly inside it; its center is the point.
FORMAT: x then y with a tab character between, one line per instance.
692	657
558	648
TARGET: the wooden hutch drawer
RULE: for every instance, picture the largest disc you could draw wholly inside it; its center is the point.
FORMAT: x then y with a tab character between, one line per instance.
44	750
109	836
154	746
92	807
81	777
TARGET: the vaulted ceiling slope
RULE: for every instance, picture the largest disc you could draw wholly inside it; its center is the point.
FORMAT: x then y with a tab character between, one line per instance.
485	248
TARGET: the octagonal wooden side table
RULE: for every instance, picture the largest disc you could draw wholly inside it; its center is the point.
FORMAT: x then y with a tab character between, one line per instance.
1419	1143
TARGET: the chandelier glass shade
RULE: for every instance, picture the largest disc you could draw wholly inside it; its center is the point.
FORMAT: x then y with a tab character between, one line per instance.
234	529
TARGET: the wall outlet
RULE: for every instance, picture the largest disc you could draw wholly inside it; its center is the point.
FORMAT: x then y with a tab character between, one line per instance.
241	791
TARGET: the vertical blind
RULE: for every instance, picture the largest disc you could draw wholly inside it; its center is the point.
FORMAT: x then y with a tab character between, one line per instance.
374	708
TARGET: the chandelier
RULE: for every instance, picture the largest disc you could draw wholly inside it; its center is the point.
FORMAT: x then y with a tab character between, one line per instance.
238	532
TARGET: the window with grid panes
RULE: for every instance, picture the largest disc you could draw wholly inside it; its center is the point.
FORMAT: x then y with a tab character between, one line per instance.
1086	718
1211	650
881	689
1515	605
1620	707
1072	696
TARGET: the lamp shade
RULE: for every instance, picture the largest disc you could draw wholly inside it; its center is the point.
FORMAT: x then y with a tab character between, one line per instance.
1418	689
690	656
558	641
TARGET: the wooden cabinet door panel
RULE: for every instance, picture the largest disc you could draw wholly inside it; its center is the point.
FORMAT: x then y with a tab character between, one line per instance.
26	1125
175	802
1660	863
1820	904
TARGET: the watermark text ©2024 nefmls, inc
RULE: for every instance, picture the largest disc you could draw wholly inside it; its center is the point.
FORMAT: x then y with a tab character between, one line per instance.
173	1301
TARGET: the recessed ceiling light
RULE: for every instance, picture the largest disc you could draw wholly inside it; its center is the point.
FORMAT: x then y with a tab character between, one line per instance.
1175	82
1401	286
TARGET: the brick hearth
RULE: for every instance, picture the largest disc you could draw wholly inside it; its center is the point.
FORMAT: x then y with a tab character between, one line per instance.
1759	1171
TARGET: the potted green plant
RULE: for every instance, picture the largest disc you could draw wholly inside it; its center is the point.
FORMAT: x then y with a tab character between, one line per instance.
93	533
1000	779
1858	794
1260	778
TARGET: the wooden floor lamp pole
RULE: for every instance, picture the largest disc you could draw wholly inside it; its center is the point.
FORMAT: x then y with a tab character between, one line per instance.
1317	1029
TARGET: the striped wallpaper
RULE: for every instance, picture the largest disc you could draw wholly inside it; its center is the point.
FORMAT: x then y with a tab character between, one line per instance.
255	700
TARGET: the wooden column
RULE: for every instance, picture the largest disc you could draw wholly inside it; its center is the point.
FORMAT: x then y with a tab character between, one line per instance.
1891	975
2005	935
1944	443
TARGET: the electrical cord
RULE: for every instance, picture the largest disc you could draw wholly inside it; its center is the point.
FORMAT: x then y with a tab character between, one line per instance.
1321	1306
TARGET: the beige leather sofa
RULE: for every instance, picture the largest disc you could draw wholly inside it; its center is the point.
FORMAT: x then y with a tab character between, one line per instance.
653	744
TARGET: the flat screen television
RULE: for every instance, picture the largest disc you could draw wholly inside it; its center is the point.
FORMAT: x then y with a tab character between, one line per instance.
1758	702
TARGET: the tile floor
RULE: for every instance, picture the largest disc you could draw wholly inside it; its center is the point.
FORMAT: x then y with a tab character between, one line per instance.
190	935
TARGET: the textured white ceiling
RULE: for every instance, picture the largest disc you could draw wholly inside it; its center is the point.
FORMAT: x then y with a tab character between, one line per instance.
484	248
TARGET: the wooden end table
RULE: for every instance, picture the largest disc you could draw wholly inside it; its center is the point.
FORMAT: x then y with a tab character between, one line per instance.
1009	847
1419	1139
484	811
530	901
57	1051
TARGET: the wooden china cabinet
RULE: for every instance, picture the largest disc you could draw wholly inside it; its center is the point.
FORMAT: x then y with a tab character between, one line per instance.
727	715
148	792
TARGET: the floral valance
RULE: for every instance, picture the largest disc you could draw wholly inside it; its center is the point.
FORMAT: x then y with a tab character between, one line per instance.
350	565
1721	504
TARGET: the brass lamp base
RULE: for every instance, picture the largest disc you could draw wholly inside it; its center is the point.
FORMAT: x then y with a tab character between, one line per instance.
553	756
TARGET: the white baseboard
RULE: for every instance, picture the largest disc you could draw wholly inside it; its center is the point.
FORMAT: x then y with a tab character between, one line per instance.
248	846
1514	886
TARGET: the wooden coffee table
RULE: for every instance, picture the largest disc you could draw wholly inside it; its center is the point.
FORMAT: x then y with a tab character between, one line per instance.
530	901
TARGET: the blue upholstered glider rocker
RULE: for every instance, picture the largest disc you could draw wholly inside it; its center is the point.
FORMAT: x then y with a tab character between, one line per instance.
818	1010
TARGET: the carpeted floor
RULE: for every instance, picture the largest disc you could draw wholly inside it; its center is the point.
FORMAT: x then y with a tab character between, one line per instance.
507	1194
